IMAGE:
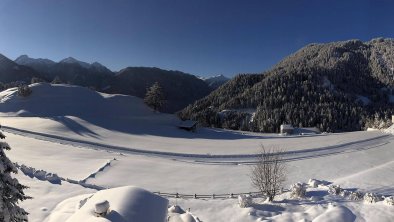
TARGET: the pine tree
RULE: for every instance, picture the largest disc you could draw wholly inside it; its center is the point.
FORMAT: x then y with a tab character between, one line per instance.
155	97
11	191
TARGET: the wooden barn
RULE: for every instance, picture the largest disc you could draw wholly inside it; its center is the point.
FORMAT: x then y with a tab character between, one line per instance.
188	125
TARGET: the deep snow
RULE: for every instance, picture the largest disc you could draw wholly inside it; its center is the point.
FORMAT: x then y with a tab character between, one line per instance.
64	130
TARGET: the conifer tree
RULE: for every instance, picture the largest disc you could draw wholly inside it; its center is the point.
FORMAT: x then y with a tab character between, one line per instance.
155	97
11	191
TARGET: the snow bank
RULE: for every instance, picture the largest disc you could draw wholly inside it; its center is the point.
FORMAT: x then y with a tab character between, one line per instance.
40	174
336	214
175	209
389	130
315	183
126	204
101	208
177	214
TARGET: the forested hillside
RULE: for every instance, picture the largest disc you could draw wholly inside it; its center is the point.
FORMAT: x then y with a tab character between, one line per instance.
334	86
180	89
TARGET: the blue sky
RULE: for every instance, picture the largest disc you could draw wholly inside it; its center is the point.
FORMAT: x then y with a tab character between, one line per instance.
202	37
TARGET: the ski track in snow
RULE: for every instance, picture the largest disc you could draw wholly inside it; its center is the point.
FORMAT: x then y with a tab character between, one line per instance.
231	159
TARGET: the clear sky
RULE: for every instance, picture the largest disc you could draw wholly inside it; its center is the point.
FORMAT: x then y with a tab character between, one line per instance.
202	37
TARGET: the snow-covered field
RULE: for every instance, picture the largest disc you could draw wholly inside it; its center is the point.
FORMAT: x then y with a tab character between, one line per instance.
114	140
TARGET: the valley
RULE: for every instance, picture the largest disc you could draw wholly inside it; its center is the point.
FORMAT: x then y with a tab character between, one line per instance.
132	145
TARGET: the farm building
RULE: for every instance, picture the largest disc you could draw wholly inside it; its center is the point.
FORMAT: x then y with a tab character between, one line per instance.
286	129
188	125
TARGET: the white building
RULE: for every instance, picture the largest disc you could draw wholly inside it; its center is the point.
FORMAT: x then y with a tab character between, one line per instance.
286	129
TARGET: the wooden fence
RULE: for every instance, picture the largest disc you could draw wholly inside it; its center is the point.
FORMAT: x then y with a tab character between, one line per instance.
206	196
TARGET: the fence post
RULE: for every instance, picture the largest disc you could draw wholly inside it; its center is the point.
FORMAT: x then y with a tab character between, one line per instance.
213	196
195	196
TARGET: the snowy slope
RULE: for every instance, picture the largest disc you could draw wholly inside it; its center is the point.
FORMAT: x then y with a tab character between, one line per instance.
49	100
114	140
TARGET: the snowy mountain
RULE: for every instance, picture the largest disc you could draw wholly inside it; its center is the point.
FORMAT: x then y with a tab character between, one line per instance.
130	81
27	61
215	81
71	60
11	71
323	82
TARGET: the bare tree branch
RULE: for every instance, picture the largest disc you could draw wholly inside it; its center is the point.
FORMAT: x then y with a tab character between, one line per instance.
269	174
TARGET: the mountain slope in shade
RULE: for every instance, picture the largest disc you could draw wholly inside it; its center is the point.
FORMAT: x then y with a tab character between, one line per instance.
11	71
180	89
71	71
39	65
71	60
319	85
26	60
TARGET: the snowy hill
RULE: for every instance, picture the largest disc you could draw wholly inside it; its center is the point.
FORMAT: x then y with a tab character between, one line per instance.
66	100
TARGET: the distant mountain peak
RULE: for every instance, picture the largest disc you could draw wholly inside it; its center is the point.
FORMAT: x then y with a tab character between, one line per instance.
96	64
215	81
217	78
26	60
71	60
23	57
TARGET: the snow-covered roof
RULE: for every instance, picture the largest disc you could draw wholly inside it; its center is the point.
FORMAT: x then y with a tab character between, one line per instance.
286	126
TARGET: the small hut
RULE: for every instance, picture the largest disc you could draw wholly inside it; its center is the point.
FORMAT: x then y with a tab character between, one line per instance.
188	125
286	129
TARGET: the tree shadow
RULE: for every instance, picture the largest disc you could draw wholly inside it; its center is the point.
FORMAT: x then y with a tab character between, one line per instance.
74	126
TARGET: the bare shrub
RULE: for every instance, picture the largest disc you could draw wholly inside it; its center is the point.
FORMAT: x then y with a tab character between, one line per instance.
389	200
269	174
356	195
334	189
298	190
245	201
372	198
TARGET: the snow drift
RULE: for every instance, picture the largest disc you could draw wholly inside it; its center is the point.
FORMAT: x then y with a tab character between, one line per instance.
125	204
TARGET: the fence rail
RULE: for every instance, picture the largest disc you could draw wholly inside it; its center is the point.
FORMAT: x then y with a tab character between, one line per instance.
206	196
212	196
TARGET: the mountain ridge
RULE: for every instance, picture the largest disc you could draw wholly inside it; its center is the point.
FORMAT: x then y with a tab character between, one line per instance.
319	85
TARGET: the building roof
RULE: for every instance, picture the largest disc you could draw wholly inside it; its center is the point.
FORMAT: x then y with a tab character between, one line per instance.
286	126
187	124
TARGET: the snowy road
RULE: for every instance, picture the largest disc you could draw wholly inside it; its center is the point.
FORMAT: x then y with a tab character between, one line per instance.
232	159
